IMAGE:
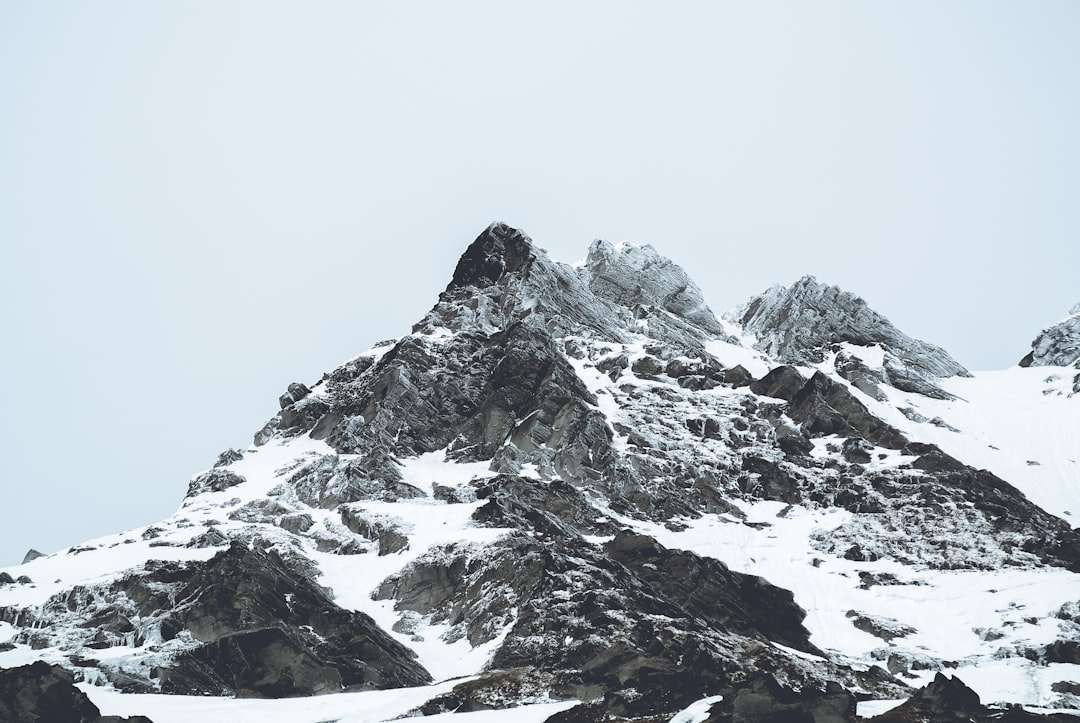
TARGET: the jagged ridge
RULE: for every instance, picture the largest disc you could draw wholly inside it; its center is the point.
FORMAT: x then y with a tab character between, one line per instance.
798	325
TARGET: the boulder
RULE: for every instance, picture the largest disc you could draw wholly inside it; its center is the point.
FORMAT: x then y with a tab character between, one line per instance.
44	693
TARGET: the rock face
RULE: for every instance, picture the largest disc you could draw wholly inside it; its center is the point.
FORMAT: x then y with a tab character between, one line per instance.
567	480
31	555
800	324
1058	345
947	699
41	692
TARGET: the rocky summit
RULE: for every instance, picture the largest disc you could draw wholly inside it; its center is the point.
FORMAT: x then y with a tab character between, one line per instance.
575	492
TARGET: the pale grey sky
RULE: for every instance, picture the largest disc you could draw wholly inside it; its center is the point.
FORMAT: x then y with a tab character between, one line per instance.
201	202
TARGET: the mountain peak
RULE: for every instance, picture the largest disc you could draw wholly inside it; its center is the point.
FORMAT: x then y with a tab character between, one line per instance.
620	291
499	249
800	323
636	276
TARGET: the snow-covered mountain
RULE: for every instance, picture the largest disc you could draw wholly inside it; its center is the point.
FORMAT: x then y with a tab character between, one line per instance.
574	491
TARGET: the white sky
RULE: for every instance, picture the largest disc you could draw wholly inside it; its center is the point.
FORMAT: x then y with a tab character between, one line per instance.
201	202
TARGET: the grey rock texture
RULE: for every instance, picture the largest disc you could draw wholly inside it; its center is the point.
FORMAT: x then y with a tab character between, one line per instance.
637	277
799	324
1058	345
31	555
253	621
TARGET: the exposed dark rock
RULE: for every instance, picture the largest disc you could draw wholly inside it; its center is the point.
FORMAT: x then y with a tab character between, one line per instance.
44	693
770	480
706	588
783	382
496	690
647	366
880	627
857	450
943	699
825	407
213	537
613	366
214	480
453	495
330	481
303	415
264	662
499	250
228	457
295	393
379	529
1062	651
553	508
632	615
31	555
738	376
764	700
296	522
266	629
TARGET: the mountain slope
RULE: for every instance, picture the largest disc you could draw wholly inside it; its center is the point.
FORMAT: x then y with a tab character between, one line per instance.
576	483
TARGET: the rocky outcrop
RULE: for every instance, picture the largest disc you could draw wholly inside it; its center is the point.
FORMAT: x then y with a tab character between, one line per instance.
217	479
823	407
266	630
1058	345
253	623
763	698
637	278
947	699
800	325
43	693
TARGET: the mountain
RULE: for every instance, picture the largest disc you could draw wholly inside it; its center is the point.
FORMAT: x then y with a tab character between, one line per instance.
574	491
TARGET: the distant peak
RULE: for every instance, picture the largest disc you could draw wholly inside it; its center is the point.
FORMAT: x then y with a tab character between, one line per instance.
498	250
798	325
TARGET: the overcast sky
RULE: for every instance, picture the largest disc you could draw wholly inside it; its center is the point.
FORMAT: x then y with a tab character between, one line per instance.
201	202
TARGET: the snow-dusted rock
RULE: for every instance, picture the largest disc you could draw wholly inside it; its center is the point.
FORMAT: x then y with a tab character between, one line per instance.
1058	345
800	324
